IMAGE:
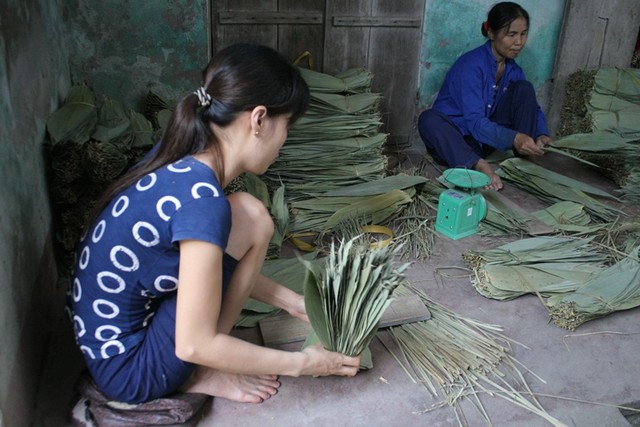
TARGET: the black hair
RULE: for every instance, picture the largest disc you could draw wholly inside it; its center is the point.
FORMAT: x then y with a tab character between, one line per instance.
238	78
502	15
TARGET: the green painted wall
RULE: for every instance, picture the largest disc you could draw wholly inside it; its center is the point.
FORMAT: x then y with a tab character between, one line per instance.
453	27
123	48
34	77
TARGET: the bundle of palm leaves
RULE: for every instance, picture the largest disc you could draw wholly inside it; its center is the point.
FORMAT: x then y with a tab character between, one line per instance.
346	298
613	289
567	216
372	202
605	102
337	142
553	187
76	120
539	265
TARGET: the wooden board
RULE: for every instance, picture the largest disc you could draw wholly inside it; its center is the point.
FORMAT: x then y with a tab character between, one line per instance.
284	329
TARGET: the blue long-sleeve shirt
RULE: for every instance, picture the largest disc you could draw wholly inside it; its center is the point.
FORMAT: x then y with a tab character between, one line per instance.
469	96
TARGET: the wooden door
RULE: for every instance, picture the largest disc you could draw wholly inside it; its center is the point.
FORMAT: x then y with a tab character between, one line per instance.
383	36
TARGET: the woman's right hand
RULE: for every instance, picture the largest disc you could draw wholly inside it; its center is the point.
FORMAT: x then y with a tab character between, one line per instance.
526	146
321	362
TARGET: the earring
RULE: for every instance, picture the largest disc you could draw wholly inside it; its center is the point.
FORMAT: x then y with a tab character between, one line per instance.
257	133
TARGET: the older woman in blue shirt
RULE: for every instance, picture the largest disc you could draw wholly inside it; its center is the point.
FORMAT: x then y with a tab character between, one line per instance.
485	102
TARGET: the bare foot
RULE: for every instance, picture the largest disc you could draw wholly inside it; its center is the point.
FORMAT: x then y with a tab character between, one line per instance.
240	388
484	167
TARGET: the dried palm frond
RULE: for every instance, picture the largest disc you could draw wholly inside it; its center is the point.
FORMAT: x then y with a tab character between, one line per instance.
463	358
414	228
347	297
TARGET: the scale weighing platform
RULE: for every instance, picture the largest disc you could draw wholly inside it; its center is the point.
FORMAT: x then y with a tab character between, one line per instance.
459	211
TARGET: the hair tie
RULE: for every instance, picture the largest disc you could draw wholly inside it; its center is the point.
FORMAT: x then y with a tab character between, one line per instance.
204	99
485	25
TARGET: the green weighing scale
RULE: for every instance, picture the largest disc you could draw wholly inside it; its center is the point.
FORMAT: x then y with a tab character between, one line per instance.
460	212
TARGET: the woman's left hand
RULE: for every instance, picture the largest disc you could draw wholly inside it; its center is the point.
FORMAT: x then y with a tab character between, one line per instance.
297	308
543	140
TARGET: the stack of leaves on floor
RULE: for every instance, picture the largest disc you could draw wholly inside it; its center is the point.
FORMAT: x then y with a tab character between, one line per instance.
575	279
337	142
600	122
464	358
553	187
346	297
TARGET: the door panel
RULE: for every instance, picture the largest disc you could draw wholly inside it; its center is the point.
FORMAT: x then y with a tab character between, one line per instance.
381	35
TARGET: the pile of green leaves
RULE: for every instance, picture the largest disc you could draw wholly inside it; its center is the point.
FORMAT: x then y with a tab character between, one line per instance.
553	187
601	124
575	279
337	142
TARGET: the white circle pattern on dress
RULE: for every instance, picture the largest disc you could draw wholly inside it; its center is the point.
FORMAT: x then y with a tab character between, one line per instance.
196	187
120	206
162	202
88	351
173	168
133	259
77	290
97	304
105	346
144	187
84	258
78	325
116	332
98	232
142	225
120	283
165	278
145	322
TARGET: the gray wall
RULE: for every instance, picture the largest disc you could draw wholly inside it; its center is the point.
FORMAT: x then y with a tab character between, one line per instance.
125	48
34	77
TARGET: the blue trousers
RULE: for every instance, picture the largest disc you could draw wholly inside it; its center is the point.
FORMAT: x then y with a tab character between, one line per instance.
517	110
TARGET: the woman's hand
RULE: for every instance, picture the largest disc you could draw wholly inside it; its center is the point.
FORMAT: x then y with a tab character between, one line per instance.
321	362
543	141
526	146
271	292
297	308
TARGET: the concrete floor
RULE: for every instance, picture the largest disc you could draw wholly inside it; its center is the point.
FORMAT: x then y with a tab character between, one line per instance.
586	373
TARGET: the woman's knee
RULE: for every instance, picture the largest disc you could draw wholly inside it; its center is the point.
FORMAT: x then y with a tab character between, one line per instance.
250	217
523	88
